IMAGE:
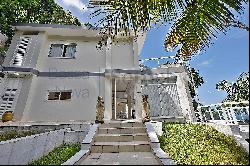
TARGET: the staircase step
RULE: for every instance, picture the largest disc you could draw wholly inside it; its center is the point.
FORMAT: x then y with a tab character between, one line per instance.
115	125
115	147
122	130
121	137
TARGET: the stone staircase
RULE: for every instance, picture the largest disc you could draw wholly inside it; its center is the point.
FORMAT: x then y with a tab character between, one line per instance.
121	137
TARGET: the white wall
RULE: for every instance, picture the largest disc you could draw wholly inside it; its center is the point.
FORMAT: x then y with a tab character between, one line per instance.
88	58
82	105
24	150
123	55
185	102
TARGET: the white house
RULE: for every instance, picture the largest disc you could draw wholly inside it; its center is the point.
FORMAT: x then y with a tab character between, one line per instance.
55	73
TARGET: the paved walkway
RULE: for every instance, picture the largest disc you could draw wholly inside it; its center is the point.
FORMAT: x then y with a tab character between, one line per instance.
122	158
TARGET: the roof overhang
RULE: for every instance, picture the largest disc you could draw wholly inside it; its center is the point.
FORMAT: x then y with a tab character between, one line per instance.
80	31
65	30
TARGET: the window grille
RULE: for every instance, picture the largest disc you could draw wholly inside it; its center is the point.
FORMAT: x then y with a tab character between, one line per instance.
21	51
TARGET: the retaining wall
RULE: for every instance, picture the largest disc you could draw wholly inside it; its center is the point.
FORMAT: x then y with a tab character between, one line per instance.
235	132
23	150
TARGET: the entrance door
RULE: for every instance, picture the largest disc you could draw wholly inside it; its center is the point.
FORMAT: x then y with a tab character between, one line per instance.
122	98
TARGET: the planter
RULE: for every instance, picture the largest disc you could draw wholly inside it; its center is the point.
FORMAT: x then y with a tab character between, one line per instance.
7	116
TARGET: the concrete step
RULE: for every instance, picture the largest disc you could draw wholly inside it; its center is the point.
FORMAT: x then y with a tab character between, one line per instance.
116	147
122	130
121	137
119	124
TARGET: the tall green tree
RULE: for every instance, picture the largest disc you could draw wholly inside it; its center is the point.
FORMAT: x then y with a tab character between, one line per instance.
238	91
32	11
195	22
196	80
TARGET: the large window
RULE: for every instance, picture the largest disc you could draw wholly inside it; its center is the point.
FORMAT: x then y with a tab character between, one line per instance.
62	50
59	95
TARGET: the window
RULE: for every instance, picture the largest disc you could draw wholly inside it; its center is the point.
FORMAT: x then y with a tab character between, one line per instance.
21	51
31	33
63	50
63	95
54	95
7	100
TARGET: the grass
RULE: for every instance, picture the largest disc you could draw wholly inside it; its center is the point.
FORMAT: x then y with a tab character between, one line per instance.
14	134
59	155
199	144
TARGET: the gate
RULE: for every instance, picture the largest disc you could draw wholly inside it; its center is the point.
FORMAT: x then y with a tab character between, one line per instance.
162	97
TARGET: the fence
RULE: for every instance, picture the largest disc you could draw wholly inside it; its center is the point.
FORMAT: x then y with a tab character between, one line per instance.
225	113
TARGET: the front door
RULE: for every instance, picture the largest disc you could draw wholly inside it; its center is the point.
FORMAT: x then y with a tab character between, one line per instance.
122	99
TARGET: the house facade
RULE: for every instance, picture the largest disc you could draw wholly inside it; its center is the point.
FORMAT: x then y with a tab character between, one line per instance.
56	73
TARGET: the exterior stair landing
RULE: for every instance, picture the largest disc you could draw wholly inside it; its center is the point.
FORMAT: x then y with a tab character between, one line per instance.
121	137
120	143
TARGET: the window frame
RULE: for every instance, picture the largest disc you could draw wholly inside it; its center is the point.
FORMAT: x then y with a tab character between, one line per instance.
63	47
59	98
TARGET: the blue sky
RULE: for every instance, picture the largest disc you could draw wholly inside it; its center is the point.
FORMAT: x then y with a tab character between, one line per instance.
226	59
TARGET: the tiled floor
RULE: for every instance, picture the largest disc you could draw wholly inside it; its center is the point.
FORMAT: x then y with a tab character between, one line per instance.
122	158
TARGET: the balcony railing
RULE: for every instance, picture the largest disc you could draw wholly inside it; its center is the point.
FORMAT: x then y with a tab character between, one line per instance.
225	113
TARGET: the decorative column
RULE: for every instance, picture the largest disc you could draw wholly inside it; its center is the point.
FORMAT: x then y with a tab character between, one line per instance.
108	100
129	106
108	83
138	100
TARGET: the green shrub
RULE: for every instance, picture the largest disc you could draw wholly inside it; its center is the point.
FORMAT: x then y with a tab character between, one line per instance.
14	134
200	145
59	155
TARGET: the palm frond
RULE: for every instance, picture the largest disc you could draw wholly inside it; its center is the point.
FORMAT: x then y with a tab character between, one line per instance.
138	14
200	23
197	22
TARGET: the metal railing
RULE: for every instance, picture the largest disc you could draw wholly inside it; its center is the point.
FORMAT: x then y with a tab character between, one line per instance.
225	113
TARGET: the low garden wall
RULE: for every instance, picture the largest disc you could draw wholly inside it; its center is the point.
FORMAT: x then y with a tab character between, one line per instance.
234	131
23	150
42	127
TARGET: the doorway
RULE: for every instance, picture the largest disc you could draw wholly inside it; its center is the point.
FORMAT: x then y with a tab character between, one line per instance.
123	100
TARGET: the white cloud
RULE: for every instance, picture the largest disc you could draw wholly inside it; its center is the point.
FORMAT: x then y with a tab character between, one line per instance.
75	3
205	62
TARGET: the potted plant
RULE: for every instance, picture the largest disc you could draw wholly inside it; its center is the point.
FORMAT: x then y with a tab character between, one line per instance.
7	116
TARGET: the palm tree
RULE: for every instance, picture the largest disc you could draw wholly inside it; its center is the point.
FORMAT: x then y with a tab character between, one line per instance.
195	22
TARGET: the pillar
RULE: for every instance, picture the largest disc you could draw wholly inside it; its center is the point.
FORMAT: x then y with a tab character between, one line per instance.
138	100
129	106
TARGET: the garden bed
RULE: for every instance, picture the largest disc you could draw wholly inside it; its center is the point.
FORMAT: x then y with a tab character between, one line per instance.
14	134
199	144
59	155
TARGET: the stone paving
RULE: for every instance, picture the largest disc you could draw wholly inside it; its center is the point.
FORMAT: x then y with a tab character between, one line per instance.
121	158
120	143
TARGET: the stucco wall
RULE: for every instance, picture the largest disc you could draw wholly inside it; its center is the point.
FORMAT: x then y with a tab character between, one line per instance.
11	49
32	50
87	57
82	105
22	98
185	102
26	149
122	55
